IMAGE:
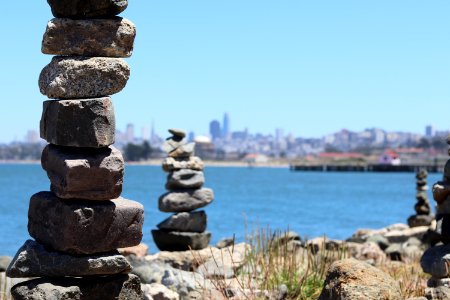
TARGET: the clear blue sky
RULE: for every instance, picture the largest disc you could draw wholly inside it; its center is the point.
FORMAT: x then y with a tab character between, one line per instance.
310	67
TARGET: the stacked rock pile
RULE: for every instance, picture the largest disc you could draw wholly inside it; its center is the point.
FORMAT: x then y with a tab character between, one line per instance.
436	260
423	216
78	226
185	229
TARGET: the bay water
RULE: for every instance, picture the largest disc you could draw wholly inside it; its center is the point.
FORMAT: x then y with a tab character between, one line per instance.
312	204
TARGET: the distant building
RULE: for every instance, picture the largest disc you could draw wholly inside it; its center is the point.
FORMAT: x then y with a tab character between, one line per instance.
145	134
389	157
214	130
430	131
226	133
32	137
129	133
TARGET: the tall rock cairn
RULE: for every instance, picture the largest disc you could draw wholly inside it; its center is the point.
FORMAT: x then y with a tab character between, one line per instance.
436	260
423	216
185	229
78	225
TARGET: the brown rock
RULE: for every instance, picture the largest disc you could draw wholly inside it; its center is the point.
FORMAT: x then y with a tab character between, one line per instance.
80	9
79	123
84	227
350	279
94	37
72	77
140	250
91	174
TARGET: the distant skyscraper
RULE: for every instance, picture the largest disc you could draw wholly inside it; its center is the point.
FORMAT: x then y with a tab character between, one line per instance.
32	137
226	126
214	130
145	134
429	131
129	134
279	135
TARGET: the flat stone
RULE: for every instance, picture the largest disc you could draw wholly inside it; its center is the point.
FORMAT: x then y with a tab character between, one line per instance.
94	37
91	174
171	164
402	235
72	77
173	143
420	220
83	9
185	200
78	123
185	179
159	291
183	151
82	226
435	261
186	222
117	287
33	260
178	132
180	241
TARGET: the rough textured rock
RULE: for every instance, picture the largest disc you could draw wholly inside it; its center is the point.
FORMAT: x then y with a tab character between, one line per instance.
140	250
350	279
436	261
180	241
33	260
84	227
77	9
72	77
184	221
91	174
420	220
78	123
158	291
118	287
171	164
94	37
185	200
185	179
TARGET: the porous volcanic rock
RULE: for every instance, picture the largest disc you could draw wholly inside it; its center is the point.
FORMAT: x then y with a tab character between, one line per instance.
72	77
83	226
91	174
78	123
185	200
76	9
94	37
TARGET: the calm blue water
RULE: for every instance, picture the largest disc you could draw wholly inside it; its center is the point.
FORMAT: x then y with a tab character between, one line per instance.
313	204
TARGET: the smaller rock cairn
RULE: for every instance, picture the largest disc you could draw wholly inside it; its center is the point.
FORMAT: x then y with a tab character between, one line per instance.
436	260
423	216
186	228
79	224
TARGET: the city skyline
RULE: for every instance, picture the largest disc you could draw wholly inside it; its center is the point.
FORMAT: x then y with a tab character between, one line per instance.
308	68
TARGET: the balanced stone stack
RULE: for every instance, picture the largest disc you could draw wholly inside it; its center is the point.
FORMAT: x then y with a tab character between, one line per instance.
436	260
423	216
78	225
185	229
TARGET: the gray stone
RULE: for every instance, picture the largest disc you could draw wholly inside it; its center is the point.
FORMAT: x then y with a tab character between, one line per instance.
33	260
443	228
180	241
117	287
72	77
183	151
4	262
420	220
171	164
84	227
91	174
225	242
94	37
157	291
380	240
173	143
394	252
185	179
184	221
78	123
185	200
80	9
436	261
437	293
177	132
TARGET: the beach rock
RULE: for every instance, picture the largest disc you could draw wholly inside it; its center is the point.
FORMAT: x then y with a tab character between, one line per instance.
72	77
394	252
180	241
184	221
380	240
436	282
173	143
437	293
80	9
94	37
91	174
140	250
185	200
436	261
369	252
84	227
171	164
350	279
4	262
178	132
33	260
225	242
401	236
183	151
185	179
285	237
78	123
158	291
443	228
420	220
118	287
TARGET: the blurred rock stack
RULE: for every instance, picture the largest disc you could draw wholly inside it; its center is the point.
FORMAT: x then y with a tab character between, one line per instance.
436	260
185	229
78	226
423	216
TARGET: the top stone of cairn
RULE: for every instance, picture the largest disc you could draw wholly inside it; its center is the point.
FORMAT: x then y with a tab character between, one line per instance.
83	9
